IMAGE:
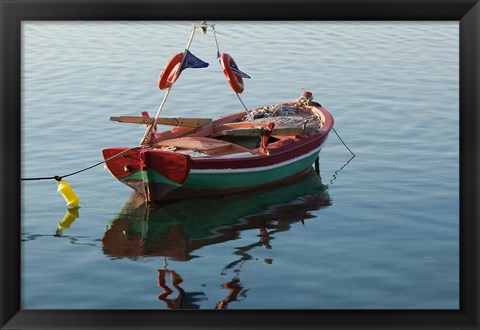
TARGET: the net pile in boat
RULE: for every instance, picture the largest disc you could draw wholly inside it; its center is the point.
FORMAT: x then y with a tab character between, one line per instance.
284	115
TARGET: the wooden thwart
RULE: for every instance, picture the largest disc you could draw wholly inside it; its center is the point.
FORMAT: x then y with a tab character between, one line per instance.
186	122
198	143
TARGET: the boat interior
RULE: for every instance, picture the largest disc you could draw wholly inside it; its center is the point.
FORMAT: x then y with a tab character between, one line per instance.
239	139
236	135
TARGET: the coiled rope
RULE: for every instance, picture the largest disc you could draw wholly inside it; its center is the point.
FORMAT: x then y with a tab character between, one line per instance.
58	178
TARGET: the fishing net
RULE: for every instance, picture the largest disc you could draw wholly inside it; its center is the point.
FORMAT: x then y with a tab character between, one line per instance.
285	115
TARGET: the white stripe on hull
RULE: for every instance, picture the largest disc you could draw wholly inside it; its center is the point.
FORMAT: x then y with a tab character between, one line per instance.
257	168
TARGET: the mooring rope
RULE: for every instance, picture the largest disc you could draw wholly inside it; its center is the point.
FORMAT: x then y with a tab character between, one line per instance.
58	178
343	142
246	110
238	95
334	176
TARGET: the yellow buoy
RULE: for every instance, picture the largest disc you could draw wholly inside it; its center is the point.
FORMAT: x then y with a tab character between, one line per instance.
68	219
67	193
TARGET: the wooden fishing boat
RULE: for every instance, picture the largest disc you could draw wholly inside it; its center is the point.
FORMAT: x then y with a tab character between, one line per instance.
198	157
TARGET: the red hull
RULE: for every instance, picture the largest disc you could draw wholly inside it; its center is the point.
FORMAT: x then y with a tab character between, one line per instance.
159	174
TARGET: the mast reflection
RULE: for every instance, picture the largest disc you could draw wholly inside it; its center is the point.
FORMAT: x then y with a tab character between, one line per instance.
183	299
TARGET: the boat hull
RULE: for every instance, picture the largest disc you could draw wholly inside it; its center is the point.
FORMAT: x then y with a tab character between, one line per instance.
210	178
160	173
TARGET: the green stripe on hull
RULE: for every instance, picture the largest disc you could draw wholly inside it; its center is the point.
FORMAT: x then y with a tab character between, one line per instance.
229	180
239	180
151	176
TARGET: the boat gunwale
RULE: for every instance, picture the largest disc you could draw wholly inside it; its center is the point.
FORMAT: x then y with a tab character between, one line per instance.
303	144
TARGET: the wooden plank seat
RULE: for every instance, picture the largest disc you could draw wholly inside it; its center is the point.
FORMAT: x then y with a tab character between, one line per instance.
196	143
203	144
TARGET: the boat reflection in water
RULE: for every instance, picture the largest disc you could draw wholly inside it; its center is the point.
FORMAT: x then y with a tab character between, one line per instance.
176	230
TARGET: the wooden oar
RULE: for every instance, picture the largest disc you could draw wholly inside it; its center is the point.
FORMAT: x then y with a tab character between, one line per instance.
186	122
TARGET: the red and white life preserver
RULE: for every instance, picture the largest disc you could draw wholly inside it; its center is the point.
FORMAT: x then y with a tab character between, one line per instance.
167	77
234	79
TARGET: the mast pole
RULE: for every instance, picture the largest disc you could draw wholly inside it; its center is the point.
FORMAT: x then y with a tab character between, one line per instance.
162	104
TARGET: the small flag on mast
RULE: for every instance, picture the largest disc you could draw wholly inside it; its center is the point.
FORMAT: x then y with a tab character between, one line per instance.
191	61
240	73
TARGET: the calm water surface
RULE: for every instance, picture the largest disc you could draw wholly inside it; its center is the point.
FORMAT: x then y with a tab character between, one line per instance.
377	231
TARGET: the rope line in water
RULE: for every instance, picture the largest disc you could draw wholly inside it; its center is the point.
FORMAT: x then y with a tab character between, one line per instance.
343	142
58	178
335	174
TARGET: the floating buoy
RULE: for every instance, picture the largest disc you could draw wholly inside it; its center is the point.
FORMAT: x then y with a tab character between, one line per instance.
67	192
68	219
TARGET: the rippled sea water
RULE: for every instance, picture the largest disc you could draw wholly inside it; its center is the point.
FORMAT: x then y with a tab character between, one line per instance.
376	231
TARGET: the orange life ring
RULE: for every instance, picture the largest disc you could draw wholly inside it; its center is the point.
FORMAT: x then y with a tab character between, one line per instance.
167	77
234	79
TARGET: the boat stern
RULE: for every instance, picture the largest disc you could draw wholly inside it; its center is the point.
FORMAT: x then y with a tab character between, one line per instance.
152	173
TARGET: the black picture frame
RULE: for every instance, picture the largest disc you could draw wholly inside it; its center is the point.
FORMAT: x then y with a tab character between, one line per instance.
13	12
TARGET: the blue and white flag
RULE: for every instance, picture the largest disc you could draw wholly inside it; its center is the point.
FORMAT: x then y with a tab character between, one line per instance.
191	61
240	73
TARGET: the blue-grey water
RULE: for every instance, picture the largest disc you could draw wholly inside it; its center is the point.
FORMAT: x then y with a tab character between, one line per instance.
376	231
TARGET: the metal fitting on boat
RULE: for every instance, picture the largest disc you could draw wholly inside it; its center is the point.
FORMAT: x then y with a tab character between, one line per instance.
204	26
